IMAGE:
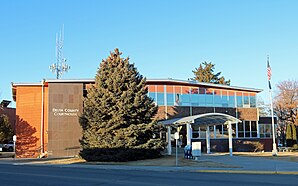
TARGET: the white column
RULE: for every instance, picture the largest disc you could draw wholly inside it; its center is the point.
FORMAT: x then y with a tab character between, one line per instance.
208	140
169	147
230	138
188	134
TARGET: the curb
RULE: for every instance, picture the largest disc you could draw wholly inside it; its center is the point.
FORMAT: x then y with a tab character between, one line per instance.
248	172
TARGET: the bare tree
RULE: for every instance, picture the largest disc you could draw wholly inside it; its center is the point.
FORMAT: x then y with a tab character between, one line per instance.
285	107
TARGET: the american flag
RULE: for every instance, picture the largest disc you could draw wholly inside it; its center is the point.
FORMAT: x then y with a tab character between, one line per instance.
269	73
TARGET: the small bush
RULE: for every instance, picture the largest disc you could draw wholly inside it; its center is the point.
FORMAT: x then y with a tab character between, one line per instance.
295	147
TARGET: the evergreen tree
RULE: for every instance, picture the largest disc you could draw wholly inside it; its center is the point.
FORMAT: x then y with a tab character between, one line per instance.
117	118
6	131
205	73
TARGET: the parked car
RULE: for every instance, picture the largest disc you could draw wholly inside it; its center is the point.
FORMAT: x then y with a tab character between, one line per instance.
8	147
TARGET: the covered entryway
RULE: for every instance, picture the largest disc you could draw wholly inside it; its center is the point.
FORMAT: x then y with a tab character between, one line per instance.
208	119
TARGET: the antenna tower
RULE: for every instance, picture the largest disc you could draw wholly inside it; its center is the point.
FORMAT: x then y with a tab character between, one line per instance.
60	66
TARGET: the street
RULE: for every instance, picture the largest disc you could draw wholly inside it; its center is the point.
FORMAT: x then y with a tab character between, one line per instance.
59	175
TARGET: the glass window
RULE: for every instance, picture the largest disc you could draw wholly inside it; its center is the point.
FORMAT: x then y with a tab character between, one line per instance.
202	132
231	101
195	134
240	130
202	100
209	98
219	131
246	100
253	101
247	129
224	101
195	100
225	131
253	128
160	99
239	101
265	130
234	130
194	97
217	101
177	100
170	99
152	96
185	99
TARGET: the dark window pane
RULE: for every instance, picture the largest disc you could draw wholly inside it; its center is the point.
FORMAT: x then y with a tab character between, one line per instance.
240	126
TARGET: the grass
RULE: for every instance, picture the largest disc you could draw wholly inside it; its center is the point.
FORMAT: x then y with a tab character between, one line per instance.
284	156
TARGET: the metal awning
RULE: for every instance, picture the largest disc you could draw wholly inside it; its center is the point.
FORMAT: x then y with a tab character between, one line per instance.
202	119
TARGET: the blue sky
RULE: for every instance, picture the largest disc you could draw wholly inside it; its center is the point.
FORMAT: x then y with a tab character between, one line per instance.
164	38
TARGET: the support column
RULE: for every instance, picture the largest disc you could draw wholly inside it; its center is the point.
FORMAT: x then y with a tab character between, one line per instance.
188	134
230	138
208	139
169	147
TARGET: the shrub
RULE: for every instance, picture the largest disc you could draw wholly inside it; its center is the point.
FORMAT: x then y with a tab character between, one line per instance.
248	146
118	154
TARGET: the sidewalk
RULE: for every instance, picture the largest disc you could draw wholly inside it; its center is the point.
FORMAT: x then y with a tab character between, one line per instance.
218	162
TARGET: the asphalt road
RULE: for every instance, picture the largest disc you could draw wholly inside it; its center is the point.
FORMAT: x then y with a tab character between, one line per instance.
58	175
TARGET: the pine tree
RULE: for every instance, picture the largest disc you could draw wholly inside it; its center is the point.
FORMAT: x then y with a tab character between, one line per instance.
117	119
6	131
206	74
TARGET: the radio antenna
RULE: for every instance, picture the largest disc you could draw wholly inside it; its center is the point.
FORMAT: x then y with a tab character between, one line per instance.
60	66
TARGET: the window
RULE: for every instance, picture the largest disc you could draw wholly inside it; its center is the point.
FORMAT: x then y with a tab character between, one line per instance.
160	99
247	129
253	129
170	99
152	96
239	101
231	99
265	130
253	101
246	100
240	130
185	99
224	101
177	100
209	98
217	101
219	130
194	97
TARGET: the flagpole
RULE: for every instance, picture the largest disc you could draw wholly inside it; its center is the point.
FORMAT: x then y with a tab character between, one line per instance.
274	150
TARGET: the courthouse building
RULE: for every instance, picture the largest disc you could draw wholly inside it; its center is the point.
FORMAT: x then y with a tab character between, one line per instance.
47	113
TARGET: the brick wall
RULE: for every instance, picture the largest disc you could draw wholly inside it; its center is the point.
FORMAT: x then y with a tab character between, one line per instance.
28	120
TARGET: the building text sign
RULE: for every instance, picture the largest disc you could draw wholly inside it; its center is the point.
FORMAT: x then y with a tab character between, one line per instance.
65	112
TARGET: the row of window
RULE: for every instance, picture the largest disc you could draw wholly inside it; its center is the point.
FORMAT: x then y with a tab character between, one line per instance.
246	129
205	100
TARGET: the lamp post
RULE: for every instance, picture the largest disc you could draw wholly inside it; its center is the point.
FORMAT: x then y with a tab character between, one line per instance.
14	139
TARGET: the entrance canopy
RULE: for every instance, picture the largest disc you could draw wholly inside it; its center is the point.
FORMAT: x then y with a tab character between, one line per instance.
202	119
